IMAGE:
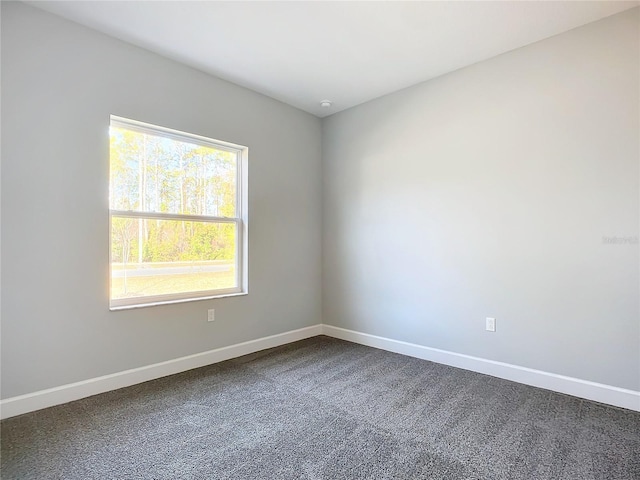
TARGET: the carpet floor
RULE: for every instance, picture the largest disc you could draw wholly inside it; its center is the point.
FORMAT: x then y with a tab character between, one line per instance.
323	408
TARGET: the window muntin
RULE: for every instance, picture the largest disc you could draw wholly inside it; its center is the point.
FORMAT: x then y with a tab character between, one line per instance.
175	216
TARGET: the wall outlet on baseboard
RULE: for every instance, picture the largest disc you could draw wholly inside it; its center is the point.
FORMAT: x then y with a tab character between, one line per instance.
490	324
211	315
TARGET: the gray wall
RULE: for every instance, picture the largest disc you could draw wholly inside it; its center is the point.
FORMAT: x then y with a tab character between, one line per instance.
60	83
487	192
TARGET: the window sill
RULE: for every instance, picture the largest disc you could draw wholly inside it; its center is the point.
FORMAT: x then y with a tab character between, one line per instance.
172	302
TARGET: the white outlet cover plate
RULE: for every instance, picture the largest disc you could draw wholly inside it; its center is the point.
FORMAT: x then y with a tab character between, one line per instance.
491	324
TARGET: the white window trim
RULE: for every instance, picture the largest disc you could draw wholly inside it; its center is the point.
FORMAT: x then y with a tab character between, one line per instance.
241	221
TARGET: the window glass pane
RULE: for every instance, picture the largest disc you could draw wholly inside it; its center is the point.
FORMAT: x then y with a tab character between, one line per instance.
152	173
158	257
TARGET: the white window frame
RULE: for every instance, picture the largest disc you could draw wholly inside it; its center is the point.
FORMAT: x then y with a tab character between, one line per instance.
241	218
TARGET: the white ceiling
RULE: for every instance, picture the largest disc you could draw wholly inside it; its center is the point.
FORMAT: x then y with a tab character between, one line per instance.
347	52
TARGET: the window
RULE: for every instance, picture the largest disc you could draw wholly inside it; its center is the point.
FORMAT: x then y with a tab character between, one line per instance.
177	216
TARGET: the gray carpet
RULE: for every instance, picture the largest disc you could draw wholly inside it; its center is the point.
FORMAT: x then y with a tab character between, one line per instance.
324	409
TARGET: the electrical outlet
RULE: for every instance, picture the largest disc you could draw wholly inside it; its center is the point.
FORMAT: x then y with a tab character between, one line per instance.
211	315
491	324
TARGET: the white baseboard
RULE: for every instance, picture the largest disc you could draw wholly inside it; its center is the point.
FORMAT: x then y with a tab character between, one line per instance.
30	402
598	392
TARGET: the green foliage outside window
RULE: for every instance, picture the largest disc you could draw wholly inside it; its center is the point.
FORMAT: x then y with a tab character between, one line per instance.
163	175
